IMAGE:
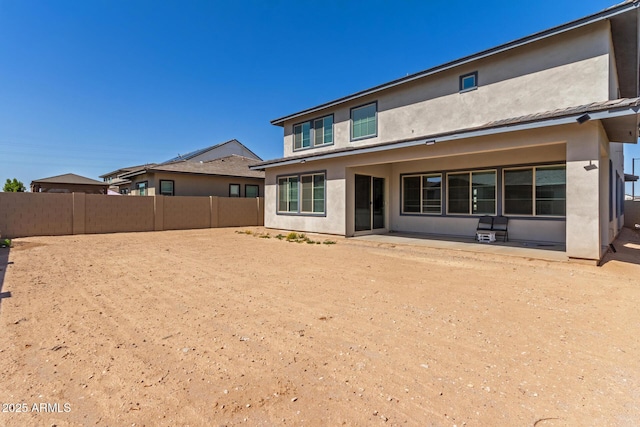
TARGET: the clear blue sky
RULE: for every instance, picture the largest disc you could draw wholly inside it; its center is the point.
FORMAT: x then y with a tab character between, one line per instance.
88	86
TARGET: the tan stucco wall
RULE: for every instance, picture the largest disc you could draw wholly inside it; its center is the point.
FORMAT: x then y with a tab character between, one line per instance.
196	185
577	145
38	214
566	70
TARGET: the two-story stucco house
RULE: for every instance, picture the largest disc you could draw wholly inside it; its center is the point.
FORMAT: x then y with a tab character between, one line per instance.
531	130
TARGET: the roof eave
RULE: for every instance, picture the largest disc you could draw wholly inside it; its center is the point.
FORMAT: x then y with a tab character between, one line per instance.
600	16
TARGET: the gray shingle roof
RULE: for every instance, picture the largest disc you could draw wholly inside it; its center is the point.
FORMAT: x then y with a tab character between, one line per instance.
232	165
69	178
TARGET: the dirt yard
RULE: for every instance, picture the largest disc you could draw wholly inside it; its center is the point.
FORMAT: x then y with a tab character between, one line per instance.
215	327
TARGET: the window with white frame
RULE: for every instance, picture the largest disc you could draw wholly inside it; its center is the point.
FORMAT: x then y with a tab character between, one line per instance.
471	193
364	121
469	81
535	191
302	194
317	132
422	194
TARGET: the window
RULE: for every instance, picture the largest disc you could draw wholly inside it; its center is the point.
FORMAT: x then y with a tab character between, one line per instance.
469	81
472	193
234	190
251	190
364	123
166	187
142	188
321	133
422	194
539	190
303	193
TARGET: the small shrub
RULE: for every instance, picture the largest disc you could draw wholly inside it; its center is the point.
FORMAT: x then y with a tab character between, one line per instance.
5	243
265	236
292	236
329	242
279	237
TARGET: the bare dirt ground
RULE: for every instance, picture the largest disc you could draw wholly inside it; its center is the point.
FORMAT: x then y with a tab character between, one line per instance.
214	327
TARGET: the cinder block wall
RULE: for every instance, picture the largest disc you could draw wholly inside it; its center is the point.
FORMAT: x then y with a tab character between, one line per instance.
46	214
631	213
35	214
186	212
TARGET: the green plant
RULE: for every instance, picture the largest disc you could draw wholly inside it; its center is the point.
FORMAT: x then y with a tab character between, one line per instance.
329	242
293	236
279	237
5	243
14	186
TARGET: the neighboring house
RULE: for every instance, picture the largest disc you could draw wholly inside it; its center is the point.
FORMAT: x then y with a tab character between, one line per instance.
68	183
532	130
217	151
229	176
118	184
200	175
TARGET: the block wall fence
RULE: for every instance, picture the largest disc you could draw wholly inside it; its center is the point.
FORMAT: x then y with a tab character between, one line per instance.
631	213
51	214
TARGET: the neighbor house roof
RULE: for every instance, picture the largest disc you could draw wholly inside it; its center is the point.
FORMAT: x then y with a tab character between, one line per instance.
233	165
596	111
200	151
69	178
608	13
123	170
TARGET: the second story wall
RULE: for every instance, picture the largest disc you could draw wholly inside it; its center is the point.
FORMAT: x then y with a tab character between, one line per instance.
567	70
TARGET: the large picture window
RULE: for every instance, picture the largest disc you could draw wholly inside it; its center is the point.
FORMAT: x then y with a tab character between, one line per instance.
304	193
535	191
317	132
422	194
472	193
364	121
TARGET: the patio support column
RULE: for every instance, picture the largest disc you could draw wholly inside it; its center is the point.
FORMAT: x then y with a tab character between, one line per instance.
583	195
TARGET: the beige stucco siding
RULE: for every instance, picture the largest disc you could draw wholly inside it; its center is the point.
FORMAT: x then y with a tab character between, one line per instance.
586	229
196	185
567	70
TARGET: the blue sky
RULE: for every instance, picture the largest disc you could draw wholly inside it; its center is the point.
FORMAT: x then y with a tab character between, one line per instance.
91	86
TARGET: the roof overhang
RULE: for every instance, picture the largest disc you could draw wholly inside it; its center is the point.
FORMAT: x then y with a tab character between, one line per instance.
625	38
630	178
619	121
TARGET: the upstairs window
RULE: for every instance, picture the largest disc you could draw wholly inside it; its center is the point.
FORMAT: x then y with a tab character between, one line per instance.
364	121
317	132
469	81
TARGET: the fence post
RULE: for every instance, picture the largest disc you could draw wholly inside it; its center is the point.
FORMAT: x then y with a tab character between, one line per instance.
78	216
215	212
158	213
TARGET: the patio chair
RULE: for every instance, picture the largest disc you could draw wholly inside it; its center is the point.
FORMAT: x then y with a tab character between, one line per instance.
501	226
484	228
